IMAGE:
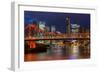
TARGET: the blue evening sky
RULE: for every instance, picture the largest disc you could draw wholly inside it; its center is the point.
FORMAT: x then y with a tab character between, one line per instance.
57	19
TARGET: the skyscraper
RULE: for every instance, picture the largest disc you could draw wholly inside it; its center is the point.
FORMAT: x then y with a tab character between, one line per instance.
75	28
53	29
68	26
42	25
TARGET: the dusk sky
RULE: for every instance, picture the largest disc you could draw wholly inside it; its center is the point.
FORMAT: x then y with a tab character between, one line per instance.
57	19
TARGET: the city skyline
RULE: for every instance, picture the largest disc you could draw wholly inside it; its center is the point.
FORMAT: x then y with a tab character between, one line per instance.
57	19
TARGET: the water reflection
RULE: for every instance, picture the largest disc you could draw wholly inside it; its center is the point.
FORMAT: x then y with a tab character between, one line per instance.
59	51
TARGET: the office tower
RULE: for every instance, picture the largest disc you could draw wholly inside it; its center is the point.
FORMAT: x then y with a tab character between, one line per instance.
75	28
42	25
41	29
68	26
53	29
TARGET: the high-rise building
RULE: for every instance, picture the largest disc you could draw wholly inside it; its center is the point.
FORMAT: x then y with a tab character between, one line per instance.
68	26
53	29
42	25
41	29
75	28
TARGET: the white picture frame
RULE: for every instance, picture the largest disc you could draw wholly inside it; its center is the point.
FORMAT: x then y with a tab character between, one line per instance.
17	34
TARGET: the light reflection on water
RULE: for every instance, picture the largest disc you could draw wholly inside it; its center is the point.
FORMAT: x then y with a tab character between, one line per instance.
52	56
56	52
